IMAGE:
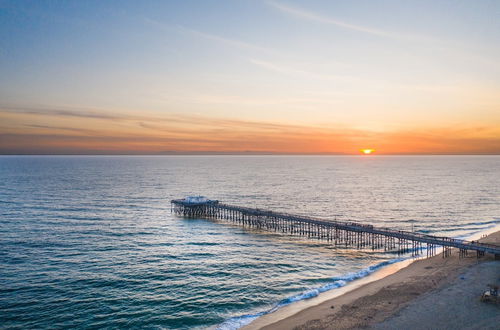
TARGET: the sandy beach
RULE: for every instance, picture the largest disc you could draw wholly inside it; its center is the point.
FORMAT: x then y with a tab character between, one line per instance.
433	293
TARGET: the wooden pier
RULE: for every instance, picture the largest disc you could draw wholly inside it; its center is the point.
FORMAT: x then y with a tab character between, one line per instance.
348	234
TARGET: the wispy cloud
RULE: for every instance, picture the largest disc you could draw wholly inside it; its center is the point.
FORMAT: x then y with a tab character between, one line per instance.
227	41
210	36
201	134
58	112
276	67
62	128
303	14
294	70
311	16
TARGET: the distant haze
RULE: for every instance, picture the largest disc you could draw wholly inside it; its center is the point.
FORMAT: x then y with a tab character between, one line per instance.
249	77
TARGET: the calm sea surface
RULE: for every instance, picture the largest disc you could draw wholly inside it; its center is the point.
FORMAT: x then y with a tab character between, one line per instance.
91	242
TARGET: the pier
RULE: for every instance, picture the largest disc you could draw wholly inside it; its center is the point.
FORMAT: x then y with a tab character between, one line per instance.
339	233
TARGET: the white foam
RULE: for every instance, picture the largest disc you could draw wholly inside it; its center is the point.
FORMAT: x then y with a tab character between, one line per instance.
237	322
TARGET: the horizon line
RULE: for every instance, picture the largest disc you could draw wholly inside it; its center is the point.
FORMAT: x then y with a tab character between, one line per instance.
217	153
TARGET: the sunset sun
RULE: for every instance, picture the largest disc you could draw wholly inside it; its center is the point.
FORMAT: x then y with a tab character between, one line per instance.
367	151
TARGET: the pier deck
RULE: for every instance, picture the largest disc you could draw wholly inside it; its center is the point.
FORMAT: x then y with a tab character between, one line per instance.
338	232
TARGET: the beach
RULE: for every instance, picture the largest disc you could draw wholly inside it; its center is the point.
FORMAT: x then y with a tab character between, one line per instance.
435	293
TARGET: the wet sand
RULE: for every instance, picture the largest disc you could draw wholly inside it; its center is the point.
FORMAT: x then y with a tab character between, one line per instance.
434	293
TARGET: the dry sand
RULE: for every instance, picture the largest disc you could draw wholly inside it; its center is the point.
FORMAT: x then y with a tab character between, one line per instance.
453	306
432	293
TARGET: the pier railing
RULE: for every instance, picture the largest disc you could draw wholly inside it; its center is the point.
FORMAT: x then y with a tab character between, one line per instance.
339	232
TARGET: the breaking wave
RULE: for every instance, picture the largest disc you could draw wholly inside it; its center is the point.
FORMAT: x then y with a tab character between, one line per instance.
335	283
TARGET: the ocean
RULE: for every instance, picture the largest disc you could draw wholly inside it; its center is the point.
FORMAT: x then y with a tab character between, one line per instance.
90	241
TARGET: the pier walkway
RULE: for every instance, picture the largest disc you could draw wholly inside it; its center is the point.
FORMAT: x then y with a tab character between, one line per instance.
351	234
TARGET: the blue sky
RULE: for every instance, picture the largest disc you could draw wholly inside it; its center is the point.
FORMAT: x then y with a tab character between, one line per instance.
379	66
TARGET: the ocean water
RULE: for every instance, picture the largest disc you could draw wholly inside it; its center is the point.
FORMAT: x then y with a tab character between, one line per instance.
90	241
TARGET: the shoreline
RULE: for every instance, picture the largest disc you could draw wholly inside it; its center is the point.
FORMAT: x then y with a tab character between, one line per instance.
376	297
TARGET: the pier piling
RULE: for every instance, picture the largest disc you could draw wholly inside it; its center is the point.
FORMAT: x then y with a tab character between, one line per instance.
340	233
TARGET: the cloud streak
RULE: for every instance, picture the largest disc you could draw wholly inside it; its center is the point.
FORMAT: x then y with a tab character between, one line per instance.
227	41
210	36
59	113
292	71
311	16
124	134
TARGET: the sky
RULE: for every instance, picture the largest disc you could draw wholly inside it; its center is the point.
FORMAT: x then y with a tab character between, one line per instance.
292	77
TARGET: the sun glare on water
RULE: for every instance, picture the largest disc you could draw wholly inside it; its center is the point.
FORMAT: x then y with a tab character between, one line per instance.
367	151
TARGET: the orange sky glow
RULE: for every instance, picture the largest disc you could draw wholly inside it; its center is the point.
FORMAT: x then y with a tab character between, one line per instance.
58	132
256	77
